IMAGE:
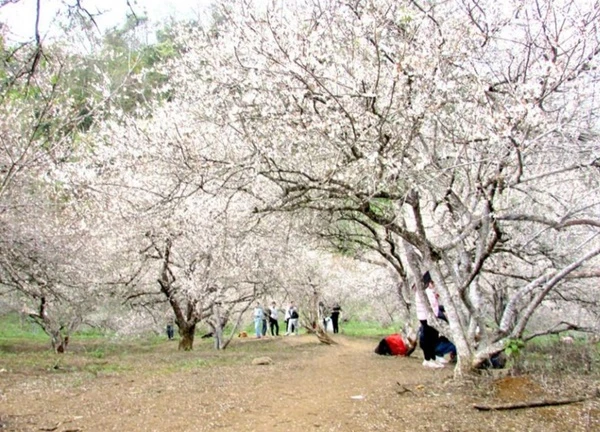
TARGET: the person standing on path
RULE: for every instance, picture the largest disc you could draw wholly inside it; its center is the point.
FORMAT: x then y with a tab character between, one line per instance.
287	319
335	317
294	318
258	319
266	321
274	316
428	335
324	315
170	329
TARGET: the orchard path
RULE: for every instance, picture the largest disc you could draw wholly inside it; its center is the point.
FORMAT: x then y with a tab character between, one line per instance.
309	387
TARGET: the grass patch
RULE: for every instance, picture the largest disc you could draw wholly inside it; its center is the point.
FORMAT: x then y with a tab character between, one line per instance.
192	363
25	349
370	329
14	327
548	355
92	333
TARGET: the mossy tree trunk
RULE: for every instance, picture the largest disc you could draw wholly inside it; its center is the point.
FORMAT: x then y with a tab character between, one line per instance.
186	333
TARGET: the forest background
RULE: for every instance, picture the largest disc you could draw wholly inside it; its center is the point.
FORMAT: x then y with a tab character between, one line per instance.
321	151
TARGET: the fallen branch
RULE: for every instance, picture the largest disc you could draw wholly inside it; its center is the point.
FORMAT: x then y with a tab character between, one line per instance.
530	404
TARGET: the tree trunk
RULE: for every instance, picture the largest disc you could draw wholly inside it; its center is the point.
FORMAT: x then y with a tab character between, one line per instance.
218	335
323	336
59	343
186	340
217	326
463	368
59	335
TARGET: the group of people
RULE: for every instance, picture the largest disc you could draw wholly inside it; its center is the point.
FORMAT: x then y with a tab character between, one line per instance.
268	318
330	316
435	347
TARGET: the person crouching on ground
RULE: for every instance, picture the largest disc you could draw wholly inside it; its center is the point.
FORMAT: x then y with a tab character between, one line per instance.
396	345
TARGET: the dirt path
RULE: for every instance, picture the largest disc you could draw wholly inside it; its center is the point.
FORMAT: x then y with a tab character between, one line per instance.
309	387
325	388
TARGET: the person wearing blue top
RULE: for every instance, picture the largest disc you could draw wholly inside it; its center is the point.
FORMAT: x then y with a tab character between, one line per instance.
258	319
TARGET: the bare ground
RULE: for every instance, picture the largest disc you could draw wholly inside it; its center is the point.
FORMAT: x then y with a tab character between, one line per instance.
309	387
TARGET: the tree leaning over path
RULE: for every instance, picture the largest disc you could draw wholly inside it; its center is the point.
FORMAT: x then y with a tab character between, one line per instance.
463	134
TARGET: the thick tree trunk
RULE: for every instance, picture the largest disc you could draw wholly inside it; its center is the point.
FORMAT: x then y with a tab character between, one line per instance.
59	343
217	326
186	340
464	367
59	335
218	337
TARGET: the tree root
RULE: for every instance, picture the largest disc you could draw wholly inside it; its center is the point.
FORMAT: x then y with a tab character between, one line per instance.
324	337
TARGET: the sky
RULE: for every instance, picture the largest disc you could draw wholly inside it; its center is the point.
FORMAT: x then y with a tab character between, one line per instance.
20	16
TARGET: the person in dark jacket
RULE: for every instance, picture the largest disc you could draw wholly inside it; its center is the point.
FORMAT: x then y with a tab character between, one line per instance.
335	317
170	330
273	320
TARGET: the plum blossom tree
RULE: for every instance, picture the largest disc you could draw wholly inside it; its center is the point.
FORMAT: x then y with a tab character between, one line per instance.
461	135
207	276
194	241
57	245
55	258
49	242
365	287
37	267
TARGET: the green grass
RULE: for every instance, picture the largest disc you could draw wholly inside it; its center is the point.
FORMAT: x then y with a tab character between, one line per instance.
369	329
25	348
13	327
92	333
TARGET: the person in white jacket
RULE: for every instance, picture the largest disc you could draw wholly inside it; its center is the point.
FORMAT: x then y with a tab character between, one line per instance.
428	335
293	321
288	311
